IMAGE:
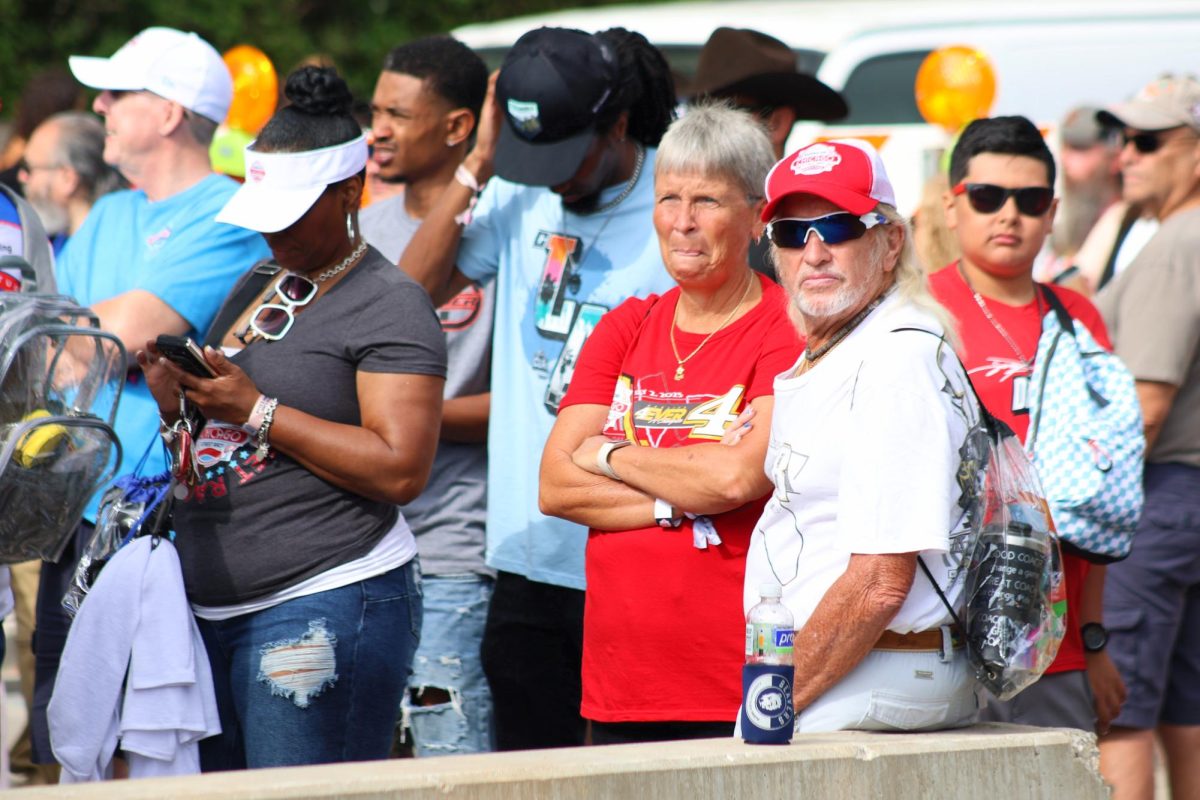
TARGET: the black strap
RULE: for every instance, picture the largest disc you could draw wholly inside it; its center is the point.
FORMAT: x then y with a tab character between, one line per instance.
941	595
1064	317
997	428
247	288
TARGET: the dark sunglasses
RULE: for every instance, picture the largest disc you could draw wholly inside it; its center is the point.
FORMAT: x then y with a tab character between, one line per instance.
273	320
830	229
1143	141
987	198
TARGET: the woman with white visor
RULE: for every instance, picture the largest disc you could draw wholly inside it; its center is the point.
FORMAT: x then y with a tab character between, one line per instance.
322	416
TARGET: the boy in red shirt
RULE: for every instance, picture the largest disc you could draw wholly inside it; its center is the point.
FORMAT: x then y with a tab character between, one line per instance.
1001	208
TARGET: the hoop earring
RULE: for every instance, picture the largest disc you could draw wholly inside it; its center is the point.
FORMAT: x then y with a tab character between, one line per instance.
349	228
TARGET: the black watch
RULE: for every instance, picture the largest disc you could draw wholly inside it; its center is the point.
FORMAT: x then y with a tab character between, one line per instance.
1095	637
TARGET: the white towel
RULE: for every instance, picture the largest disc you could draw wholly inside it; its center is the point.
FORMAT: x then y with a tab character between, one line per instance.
135	620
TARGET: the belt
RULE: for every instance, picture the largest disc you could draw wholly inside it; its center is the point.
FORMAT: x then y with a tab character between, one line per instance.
919	641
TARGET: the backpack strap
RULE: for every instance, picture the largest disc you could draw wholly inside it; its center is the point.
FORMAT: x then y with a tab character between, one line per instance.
941	595
1065	321
248	287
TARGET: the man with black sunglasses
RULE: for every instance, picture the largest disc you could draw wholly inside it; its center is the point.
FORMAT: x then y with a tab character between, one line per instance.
1001	208
1153	310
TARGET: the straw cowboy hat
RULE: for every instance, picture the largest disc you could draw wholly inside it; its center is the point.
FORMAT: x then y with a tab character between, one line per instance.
739	61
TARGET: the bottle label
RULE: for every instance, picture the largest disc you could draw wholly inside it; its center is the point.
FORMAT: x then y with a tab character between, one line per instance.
765	641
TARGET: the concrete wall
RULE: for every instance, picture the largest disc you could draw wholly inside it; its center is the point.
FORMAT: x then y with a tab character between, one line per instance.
988	762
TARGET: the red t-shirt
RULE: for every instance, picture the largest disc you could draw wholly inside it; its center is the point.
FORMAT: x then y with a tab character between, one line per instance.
1000	375
663	631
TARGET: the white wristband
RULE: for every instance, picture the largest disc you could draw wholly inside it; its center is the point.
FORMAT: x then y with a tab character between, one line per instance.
257	413
605	452
467	179
664	514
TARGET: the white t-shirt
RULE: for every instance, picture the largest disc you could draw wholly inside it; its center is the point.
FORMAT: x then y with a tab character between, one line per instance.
865	455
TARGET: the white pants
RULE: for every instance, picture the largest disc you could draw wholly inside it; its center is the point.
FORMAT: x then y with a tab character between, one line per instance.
897	691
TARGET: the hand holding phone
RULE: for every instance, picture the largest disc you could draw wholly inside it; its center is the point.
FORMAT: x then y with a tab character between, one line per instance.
184	353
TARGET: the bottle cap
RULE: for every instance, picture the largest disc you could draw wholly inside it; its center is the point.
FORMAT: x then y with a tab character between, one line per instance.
770	589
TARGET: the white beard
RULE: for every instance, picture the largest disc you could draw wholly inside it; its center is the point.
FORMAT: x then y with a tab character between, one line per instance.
54	218
841	301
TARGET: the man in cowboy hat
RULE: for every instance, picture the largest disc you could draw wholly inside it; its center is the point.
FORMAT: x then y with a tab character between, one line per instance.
758	72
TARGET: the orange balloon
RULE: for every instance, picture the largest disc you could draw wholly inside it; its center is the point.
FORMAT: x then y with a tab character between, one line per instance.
954	86
255	88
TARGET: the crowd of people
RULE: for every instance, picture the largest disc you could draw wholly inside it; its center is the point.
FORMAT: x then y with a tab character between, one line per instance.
500	460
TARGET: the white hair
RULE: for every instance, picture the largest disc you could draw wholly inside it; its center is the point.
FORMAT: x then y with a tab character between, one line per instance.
714	138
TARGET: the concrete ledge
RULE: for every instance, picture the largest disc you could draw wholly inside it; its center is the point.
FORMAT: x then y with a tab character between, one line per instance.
994	762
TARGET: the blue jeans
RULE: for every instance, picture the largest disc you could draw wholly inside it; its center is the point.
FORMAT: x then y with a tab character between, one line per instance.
448	660
313	680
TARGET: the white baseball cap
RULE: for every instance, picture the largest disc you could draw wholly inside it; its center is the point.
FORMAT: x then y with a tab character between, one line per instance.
179	66
281	187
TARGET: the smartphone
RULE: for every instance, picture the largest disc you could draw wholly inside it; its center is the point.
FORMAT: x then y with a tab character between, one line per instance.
184	353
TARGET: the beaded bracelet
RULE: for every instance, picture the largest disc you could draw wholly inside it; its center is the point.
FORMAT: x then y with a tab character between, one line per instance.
264	430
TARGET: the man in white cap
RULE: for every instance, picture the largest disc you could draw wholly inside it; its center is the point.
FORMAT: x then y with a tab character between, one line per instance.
1152	309
150	260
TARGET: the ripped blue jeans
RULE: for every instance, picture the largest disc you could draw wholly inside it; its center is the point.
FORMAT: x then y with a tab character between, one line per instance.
313	680
448	667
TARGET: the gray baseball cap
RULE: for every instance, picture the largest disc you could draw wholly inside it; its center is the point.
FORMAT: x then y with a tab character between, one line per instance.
1171	101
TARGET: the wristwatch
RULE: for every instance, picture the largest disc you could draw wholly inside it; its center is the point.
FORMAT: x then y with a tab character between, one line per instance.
603	454
1095	636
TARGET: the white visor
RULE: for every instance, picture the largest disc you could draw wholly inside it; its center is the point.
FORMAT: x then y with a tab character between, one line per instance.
281	187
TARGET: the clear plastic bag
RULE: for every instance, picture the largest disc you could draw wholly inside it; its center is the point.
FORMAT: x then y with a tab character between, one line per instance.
1015	595
135	505
60	380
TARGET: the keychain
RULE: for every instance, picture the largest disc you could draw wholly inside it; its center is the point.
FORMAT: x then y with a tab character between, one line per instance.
181	440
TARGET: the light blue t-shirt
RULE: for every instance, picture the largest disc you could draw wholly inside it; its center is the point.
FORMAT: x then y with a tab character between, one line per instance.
556	274
171	248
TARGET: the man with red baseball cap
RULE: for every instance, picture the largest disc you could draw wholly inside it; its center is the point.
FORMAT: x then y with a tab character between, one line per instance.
870	455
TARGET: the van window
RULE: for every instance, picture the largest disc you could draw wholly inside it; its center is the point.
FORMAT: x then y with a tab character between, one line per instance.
880	90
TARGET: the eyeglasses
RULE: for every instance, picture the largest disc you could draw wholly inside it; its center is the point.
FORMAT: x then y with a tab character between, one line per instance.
1145	142
273	320
987	198
830	229
24	166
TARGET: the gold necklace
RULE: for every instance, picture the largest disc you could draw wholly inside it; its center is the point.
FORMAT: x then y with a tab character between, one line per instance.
679	362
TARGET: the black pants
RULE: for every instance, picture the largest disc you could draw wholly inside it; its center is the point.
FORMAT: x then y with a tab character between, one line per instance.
51	625
633	732
532	656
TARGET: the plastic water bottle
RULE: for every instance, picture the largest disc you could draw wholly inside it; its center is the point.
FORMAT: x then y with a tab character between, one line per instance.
768	674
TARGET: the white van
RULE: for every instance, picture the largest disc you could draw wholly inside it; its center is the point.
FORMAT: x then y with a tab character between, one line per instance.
1048	56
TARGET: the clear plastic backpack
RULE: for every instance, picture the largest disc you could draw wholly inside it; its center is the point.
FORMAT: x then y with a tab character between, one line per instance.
60	380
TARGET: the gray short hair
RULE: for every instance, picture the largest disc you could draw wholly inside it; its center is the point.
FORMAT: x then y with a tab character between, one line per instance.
714	138
202	128
80	146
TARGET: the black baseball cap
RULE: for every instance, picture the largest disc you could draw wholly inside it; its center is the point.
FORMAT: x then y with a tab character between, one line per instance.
553	86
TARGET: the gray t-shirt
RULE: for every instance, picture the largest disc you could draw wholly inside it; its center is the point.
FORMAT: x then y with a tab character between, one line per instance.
1152	310
450	517
253	528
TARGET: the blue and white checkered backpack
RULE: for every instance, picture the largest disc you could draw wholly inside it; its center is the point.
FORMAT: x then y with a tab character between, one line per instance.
1086	438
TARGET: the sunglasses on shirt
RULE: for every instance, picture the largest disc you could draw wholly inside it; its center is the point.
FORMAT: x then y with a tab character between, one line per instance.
987	198
834	228
273	320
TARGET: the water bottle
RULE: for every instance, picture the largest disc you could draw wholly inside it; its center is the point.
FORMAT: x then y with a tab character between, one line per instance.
767	676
